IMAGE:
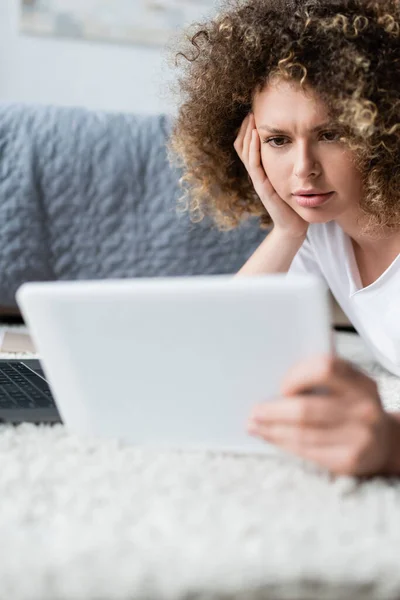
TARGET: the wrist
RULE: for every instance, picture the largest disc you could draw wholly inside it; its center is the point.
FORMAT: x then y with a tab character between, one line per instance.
295	239
392	466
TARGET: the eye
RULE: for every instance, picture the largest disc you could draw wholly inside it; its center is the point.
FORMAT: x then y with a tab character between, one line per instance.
334	136
274	140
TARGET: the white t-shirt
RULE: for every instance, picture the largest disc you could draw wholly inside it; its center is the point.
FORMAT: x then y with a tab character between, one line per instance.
374	310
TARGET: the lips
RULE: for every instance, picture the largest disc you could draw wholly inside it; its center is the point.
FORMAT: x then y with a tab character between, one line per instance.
309	192
314	200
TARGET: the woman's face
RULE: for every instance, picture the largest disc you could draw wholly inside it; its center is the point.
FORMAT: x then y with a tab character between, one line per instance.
299	158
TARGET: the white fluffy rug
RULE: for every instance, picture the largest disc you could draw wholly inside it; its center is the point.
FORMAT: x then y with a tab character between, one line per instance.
96	519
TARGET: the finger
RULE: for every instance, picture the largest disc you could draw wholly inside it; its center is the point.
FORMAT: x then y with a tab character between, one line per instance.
300	412
294	439
242	133
254	152
247	141
257	173
328	371
241	136
328	448
256	169
333	458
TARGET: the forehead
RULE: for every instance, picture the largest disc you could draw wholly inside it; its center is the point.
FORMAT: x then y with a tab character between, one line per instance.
284	102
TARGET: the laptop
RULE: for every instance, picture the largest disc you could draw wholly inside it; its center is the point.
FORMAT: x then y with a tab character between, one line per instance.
25	395
164	362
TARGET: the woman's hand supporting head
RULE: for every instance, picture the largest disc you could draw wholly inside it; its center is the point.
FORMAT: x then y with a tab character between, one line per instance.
247	146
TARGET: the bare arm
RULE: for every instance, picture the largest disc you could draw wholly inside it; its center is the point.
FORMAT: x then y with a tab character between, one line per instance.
274	255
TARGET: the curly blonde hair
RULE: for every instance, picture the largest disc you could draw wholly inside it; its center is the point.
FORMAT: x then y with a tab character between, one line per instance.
348	51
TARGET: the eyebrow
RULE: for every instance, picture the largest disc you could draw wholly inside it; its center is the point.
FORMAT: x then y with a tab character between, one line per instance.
313	130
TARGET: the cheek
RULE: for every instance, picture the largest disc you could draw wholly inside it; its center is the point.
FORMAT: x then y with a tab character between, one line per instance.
343	173
347	180
355	182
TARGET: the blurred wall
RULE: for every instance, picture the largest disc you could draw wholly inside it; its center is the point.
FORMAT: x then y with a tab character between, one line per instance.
74	73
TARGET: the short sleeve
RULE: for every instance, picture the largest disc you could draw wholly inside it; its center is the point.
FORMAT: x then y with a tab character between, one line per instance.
305	262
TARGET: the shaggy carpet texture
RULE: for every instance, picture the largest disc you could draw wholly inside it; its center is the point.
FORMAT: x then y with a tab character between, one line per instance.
85	519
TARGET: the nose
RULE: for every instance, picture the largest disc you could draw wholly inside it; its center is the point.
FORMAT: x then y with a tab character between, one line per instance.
306	163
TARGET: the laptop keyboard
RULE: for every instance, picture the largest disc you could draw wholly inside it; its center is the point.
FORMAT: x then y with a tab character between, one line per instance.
22	388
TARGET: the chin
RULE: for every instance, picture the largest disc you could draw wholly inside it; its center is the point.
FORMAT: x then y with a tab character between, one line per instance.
312	215
320	220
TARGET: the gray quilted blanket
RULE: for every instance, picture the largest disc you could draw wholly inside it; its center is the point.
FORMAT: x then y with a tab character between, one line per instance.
91	195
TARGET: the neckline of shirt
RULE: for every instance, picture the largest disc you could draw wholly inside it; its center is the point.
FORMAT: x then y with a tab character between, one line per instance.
353	273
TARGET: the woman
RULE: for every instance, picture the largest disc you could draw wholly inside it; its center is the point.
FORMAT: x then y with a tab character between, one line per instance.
291	113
